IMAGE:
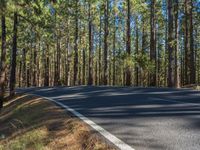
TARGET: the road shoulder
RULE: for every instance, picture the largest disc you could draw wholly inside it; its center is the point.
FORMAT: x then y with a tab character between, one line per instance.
31	122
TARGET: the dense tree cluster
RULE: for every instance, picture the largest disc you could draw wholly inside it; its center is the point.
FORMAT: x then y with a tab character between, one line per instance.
99	42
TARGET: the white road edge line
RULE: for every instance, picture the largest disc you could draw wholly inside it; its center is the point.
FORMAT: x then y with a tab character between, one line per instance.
110	137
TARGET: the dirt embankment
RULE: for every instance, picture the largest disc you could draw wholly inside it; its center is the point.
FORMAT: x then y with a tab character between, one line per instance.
32	123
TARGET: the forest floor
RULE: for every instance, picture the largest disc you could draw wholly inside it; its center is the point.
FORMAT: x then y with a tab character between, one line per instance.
30	122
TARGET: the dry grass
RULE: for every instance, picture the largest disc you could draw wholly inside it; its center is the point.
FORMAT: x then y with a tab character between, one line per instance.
192	86
31	123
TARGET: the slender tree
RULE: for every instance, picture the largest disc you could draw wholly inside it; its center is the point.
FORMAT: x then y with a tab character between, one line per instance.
46	72
153	44
24	67
176	46
35	64
137	52
3	59
90	79
76	45
105	72
192	53
13	56
114	49
100	58
128	44
170	45
186	44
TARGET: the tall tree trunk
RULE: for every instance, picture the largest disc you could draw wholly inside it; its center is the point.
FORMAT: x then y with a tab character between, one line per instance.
24	67
20	73
38	63
58	59
96	72
144	46
170	45
100	31
3	59
105	72
46	79
76	46
137	52
114	50
90	79
57	54
35	63
165	55
67	62
13	56
83	69
192	53
28	77
128	45
177	67
186	43
30	64
153	44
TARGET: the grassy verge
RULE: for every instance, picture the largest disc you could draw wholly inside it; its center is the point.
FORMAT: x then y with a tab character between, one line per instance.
192	86
32	123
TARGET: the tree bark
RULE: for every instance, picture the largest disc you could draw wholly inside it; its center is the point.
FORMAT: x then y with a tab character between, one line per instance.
90	79
186	44
128	45
114	50
3	59
35	64
76	46
137	52
20	74
153	44
177	67
13	56
24	67
58	58
170	45
192	53
105	72
46	79
100	31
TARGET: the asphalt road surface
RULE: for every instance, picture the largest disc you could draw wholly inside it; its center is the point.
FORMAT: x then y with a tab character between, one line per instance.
144	118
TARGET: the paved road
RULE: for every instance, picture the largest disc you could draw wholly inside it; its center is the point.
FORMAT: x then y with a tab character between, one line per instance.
144	118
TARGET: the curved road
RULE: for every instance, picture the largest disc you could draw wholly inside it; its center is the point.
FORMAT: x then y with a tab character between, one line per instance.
144	118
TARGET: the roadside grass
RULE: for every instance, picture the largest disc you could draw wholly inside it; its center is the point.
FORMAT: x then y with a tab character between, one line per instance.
32	123
193	86
197	87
